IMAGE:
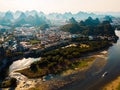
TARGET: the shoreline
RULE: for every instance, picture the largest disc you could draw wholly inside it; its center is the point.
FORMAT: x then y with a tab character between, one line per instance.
113	85
65	78
11	60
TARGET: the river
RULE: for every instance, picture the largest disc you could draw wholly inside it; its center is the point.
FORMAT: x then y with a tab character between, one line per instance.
96	82
92	80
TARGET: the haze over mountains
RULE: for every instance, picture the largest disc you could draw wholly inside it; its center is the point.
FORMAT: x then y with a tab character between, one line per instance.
39	18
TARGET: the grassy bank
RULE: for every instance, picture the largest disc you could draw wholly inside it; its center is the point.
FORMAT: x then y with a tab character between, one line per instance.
62	59
79	63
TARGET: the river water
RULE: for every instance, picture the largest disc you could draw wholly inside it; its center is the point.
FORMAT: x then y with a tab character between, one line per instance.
91	82
96	82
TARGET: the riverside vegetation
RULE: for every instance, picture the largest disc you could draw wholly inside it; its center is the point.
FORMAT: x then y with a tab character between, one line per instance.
89	27
61	59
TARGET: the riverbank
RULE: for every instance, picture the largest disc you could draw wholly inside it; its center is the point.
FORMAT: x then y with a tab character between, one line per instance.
114	85
99	59
69	65
38	53
72	76
62	59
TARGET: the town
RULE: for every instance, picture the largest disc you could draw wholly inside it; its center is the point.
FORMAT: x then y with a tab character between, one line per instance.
24	38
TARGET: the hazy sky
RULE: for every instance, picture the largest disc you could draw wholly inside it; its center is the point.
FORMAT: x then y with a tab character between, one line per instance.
48	6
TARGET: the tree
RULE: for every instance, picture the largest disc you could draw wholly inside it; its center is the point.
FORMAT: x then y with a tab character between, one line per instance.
33	67
2	51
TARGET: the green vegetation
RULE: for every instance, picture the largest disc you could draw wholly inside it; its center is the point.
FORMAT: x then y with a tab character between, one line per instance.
57	61
84	62
8	83
34	41
9	54
90	27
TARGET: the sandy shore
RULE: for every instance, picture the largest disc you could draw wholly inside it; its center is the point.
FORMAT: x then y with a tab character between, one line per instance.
21	64
65	78
113	85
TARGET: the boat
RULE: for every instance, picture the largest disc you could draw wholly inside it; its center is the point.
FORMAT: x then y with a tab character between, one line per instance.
104	74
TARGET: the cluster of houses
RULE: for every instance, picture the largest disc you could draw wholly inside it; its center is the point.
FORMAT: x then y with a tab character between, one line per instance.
52	36
46	37
20	38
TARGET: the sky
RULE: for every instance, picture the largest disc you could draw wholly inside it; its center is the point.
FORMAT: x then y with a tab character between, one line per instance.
61	6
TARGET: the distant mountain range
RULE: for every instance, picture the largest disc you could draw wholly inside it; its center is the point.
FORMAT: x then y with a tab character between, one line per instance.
20	18
90	26
38	18
115	14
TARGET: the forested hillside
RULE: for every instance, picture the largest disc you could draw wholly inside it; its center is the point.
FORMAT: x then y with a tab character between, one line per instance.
90	27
